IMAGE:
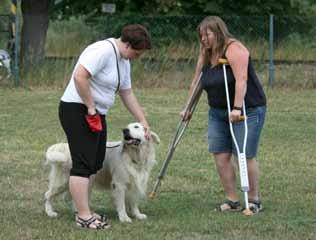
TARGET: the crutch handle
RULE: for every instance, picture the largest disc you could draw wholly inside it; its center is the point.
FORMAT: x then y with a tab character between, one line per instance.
223	61
152	195
242	118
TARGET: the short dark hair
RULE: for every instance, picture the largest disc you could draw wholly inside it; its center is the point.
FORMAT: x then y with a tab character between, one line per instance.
137	36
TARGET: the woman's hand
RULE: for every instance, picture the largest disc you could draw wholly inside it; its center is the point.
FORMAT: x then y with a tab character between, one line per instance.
92	110
131	103
185	115
147	129
235	116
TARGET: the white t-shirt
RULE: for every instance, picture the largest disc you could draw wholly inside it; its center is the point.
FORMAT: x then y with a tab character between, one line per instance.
100	61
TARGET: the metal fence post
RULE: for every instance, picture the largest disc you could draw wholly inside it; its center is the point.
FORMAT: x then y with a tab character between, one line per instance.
17	46
271	40
15	35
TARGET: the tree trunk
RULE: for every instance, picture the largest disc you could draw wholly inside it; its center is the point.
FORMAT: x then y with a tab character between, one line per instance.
35	24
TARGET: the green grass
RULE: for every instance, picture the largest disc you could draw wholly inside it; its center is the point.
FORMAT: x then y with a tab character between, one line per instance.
191	190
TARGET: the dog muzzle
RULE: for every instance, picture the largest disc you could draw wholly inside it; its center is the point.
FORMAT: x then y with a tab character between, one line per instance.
128	139
132	141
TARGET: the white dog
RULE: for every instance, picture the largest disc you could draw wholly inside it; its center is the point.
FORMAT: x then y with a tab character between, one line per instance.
125	171
5	61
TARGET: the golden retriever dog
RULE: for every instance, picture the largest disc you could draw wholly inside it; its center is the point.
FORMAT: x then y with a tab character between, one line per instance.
126	170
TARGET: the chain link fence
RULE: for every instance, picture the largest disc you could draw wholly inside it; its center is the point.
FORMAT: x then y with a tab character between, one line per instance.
171	62
4	31
295	51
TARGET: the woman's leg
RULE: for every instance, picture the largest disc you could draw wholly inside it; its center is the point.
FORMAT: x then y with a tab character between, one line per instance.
227	175
83	147
256	118
253	175
79	189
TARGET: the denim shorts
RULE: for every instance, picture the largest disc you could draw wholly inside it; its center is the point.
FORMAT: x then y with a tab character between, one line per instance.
219	136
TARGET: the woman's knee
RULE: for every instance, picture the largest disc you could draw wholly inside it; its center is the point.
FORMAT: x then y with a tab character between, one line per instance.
223	159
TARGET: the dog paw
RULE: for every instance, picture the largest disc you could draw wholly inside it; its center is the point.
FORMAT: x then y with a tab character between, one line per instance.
125	219
141	216
52	214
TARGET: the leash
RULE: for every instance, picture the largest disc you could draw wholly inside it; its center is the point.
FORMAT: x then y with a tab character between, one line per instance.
113	146
117	67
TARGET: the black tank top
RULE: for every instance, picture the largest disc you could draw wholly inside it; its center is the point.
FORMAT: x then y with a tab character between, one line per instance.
213	83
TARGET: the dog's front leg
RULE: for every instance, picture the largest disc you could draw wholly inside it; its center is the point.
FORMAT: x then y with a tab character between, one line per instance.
132	200
136	212
118	194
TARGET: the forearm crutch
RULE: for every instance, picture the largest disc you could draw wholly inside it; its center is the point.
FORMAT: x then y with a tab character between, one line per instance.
182	125
241	153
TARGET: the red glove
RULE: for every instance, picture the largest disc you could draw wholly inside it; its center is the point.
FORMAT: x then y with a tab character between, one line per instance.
94	122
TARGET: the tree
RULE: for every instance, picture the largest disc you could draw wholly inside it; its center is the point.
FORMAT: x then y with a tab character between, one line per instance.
194	7
35	24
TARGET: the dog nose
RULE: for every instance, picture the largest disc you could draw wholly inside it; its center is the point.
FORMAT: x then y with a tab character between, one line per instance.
126	131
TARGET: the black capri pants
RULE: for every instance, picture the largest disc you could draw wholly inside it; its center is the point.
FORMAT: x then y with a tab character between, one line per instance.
87	148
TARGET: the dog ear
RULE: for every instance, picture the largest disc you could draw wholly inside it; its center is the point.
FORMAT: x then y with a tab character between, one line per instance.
155	137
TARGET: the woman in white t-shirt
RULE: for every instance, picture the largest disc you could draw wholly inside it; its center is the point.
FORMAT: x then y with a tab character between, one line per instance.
103	69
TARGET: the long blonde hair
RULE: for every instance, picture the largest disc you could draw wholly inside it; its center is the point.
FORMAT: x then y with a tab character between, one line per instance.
221	36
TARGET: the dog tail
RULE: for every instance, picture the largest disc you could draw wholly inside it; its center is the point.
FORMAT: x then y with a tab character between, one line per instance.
58	154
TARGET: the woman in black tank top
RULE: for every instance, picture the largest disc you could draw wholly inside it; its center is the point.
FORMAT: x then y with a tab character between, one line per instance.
216	42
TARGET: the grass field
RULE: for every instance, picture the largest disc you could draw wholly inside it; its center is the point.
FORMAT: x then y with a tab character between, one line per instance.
184	205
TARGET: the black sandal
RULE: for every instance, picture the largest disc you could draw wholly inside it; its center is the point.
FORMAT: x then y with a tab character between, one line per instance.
100	217
255	206
83	223
229	206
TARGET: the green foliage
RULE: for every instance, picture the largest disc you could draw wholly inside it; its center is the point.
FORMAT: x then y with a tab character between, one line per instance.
68	37
4	30
4	23
166	30
5	6
285	25
192	7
